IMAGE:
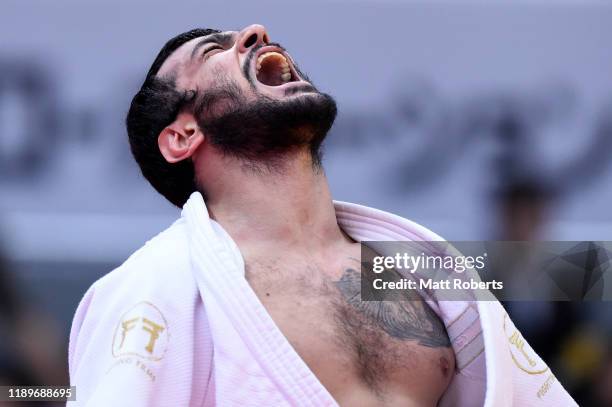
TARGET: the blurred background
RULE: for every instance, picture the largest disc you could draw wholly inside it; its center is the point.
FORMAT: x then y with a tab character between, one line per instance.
478	119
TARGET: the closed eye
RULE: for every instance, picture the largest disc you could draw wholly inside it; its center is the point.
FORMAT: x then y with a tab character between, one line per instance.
211	48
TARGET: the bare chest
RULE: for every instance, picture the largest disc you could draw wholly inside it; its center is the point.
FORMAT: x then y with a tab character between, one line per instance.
391	350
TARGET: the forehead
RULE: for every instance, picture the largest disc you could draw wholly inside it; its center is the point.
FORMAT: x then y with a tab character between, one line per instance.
183	57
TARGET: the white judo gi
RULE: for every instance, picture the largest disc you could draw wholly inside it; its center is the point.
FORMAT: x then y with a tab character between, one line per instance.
178	325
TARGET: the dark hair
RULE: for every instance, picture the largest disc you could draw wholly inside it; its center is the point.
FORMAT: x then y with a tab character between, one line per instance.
154	107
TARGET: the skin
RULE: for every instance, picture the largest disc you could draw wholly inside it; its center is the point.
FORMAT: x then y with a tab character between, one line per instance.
310	289
243	201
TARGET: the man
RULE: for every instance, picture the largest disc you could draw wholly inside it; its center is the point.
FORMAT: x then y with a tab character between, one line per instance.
252	298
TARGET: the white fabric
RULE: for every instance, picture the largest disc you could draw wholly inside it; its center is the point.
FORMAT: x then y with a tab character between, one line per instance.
178	325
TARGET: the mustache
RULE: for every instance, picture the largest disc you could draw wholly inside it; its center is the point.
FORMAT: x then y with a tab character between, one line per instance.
249	59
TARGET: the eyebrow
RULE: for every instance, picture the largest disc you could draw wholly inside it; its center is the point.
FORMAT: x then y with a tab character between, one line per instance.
219	38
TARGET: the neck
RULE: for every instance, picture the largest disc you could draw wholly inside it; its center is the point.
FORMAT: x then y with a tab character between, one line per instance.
289	206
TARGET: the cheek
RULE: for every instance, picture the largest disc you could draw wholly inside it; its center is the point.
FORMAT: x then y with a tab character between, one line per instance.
225	79
222	90
224	68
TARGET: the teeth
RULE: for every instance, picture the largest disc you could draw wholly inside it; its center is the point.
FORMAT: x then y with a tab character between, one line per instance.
269	54
284	63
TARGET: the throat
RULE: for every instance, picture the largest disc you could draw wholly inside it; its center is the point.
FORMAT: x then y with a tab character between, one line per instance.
290	209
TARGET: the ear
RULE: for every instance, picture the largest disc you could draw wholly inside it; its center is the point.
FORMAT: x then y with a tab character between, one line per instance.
180	139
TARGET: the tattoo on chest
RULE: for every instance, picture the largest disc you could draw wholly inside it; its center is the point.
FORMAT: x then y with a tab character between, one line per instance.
410	319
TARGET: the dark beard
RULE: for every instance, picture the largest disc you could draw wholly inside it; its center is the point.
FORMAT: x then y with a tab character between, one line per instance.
263	131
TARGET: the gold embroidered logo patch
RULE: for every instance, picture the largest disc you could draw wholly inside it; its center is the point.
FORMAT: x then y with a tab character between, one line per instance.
522	354
141	331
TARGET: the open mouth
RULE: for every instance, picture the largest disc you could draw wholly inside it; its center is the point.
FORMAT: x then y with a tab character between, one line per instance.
273	69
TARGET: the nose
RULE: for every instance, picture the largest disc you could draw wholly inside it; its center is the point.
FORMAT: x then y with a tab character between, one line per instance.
252	35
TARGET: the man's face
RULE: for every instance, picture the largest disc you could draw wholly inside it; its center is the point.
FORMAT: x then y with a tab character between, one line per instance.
247	58
253	102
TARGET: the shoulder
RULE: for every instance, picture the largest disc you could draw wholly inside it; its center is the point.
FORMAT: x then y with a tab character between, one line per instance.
153	270
158	274
141	320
